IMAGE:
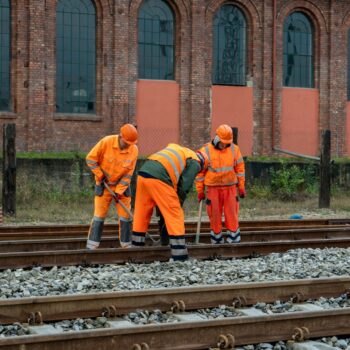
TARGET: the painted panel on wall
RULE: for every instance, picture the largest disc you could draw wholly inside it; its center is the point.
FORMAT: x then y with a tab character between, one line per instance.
233	105
347	137
157	114
300	120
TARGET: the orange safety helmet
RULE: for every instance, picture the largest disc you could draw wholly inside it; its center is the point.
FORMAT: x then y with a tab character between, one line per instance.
129	134
203	159
224	132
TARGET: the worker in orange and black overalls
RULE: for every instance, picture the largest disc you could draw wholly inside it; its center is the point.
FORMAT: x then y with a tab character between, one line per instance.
224	175
164	181
113	160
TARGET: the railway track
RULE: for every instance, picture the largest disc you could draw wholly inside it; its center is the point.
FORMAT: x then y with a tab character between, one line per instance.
150	254
53	308
190	333
76	243
203	334
258	238
74	231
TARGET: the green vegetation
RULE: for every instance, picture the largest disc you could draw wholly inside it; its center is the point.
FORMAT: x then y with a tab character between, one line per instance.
51	155
289	182
278	159
49	201
67	197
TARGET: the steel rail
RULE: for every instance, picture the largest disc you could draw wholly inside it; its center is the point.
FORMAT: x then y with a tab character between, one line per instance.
113	232
27	245
113	227
150	254
53	308
75	231
194	335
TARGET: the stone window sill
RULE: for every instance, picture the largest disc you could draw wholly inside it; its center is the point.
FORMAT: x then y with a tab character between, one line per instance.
7	115
77	117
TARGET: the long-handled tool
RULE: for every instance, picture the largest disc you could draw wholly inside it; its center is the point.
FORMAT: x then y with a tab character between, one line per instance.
118	201
154	241
199	221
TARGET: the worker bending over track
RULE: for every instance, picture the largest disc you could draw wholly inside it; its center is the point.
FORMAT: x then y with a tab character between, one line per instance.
164	181
113	160
225	172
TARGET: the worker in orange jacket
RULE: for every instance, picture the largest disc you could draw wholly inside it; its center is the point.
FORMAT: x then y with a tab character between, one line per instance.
225	173
164	181
113	160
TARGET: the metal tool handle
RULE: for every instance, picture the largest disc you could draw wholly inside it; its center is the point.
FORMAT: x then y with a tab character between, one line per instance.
119	202
199	221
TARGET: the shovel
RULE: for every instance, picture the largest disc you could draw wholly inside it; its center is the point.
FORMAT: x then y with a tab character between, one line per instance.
154	241
199	221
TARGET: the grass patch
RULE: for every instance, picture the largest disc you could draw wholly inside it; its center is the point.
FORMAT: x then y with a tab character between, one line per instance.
51	155
61	201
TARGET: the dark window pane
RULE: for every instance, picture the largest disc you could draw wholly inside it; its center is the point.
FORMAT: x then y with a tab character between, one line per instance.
156	44
298	51
5	55
76	56
229	46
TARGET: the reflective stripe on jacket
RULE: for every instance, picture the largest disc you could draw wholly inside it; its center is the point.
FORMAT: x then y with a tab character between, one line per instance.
173	158
226	168
106	159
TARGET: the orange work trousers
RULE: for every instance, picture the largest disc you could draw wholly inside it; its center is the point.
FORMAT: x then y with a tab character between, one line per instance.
222	199
102	205
153	192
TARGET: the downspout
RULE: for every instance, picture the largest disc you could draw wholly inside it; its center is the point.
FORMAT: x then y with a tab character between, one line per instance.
274	58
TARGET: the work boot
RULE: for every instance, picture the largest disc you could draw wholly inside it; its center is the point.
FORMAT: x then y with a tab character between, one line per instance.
138	239
125	232
95	233
233	236
216	238
178	248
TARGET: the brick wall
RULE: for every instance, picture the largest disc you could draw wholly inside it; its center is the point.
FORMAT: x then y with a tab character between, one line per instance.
33	71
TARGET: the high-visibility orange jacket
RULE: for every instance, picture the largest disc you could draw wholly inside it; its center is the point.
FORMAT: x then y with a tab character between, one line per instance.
173	158
107	160
226	168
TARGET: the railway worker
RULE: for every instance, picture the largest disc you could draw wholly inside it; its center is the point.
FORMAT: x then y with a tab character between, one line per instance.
112	160
224	175
164	181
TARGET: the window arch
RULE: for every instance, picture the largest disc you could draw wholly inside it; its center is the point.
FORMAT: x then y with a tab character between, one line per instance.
75	56
156	44
5	55
229	46
298	52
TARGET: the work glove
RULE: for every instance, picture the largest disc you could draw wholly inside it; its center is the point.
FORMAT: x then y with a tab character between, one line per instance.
127	192
241	192
117	197
201	197
101	180
99	188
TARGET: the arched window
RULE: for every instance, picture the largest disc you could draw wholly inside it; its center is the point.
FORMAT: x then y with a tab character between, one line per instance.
229	46
156	45
75	56
298	65
5	55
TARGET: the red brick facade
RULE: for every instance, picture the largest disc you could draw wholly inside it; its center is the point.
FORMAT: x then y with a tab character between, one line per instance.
39	128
